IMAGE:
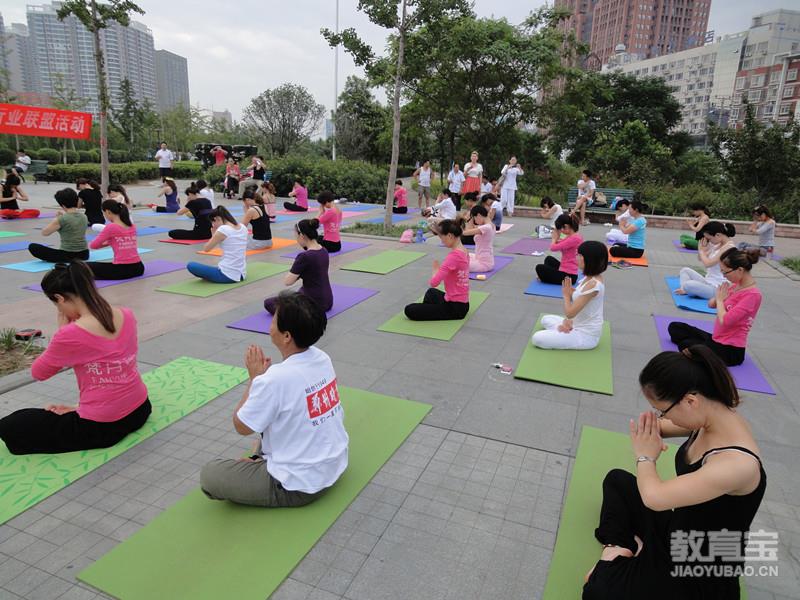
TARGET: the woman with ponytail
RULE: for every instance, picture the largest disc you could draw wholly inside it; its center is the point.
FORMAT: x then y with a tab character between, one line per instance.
120	234
719	487
255	214
330	217
231	237
715	242
737	302
200	208
482	232
310	266
71	227
170	192
99	342
552	270
453	302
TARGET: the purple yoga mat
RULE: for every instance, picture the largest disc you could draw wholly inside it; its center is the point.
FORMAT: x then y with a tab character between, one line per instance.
344	297
527	246
151	269
500	262
747	375
346	247
680	248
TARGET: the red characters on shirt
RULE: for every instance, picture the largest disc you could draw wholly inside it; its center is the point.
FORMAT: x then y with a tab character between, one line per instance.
322	400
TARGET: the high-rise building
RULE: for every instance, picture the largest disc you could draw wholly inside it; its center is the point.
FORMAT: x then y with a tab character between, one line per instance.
580	18
172	79
19	58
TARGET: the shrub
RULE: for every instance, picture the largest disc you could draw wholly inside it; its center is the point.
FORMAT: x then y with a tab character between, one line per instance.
72	157
7	157
51	155
121	172
87	156
118	156
186	169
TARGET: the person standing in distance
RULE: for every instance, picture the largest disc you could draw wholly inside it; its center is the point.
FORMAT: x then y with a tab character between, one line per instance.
509	188
423	176
164	157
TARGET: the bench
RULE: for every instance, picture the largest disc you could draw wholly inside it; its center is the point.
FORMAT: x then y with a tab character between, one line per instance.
38	169
610	193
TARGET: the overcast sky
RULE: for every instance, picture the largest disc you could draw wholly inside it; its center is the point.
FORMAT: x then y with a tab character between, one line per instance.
237	50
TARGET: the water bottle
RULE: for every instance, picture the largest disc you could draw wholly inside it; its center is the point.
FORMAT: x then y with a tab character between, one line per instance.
420	239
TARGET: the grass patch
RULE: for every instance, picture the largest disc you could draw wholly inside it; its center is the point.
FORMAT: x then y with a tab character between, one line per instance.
792	263
378	229
14	354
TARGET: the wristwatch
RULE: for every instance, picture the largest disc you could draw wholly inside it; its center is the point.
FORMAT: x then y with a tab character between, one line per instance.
645	459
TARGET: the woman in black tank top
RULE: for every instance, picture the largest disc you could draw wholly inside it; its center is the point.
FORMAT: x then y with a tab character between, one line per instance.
685	537
256	215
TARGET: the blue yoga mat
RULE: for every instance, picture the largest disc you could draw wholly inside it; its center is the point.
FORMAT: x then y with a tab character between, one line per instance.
395	219
687	302
14	246
537	288
38	266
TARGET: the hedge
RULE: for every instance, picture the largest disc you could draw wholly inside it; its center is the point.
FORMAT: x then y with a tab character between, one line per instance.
7	157
123	172
351	179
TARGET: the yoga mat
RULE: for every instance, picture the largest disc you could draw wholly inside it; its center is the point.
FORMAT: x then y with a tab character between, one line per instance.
14	246
687	302
6	234
203	289
184	242
549	290
681	248
500	262
395	219
527	246
344	297
588	370
202	549
151	269
435	330
352	214
38	266
747	375
175	390
638	262
346	247
385	262
49	215
277	244
140	231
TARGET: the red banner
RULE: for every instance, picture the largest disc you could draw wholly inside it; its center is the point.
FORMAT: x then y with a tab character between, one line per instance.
44	122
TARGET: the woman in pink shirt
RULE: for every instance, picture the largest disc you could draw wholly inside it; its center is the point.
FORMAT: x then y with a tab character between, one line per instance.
483	231
98	341
552	270
453	302
330	217
300	194
120	234
737	302
401	197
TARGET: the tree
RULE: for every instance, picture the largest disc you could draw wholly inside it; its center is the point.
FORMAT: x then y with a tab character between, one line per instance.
181	127
402	17
66	98
94	17
360	120
133	119
284	117
633	154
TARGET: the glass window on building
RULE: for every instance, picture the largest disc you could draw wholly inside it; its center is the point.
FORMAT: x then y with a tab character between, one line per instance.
740	83
768	109
775	77
791	75
785	108
788	91
757	81
754	96
735	113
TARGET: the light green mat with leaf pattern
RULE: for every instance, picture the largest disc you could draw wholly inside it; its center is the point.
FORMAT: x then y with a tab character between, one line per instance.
175	390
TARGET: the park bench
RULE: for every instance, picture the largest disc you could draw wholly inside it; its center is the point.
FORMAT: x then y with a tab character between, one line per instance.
610	194
38	170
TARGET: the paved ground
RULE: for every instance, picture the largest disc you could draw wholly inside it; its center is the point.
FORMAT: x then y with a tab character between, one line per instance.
469	506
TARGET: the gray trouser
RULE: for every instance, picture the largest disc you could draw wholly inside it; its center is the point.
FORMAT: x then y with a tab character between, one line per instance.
249	482
243	185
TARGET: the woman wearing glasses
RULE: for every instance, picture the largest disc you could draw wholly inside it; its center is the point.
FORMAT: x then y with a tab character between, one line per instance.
737	302
99	342
646	524
311	266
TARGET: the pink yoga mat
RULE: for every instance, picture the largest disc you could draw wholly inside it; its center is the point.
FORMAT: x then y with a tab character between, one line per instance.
183	242
344	297
151	269
527	246
500	262
747	375
346	247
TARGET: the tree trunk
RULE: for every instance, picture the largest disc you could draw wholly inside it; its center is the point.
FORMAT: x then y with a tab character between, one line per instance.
64	153
103	97
401	46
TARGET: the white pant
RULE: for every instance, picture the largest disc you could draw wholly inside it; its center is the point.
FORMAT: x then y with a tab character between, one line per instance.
550	338
507	200
258	244
615	236
695	284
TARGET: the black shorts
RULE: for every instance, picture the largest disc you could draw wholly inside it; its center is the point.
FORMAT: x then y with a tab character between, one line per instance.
165	171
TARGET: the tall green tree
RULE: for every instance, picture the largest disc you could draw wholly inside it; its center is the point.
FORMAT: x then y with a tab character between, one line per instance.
284	117
96	17
65	97
401	18
360	120
633	154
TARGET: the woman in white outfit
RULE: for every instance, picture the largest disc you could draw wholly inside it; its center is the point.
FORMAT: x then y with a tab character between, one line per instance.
582	326
615	236
509	188
716	241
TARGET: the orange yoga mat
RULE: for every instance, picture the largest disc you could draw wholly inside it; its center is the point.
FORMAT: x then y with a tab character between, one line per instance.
277	244
639	262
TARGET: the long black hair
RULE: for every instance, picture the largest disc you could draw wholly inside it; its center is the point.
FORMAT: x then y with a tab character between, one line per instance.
733	258
75	280
118	209
449	227
12	181
715	227
308	228
67	198
595	257
567	219
224	214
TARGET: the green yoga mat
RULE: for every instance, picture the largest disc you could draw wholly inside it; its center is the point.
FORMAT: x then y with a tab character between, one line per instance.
8	234
576	549
435	330
175	389
385	262
202	549
588	370
203	289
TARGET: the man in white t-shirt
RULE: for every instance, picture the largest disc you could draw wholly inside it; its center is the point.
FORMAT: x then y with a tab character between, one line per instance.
423	176
164	158
586	196
295	407
454	182
508	190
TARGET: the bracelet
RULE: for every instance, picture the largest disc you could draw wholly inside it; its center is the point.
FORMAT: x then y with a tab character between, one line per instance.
642	459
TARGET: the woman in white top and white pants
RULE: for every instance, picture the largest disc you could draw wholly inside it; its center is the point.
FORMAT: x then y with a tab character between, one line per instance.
231	236
582	327
715	242
509	188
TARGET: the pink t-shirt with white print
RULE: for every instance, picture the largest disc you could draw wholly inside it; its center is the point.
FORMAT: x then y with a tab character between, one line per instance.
454	271
122	240
331	221
741	308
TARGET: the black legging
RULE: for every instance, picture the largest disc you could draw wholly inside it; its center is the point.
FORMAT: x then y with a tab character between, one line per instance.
400	210
331	246
294	207
550	271
435	308
684	335
39	431
468	240
625	251
102	270
55	256
193	234
164	209
456	198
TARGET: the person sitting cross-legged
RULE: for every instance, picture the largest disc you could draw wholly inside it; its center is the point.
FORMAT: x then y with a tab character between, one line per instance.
294	406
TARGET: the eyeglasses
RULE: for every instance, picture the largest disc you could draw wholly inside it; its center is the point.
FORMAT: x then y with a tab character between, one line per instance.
662	413
728	271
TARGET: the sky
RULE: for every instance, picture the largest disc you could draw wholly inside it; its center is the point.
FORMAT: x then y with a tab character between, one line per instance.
235	55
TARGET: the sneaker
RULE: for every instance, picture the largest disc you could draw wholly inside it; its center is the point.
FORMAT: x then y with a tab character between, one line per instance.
623	264
586	222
